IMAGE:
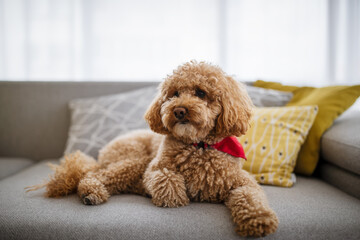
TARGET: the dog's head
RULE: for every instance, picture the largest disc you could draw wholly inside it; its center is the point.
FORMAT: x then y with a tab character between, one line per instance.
197	100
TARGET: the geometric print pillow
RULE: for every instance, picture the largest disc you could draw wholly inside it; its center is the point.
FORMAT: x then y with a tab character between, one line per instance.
96	121
274	140
262	97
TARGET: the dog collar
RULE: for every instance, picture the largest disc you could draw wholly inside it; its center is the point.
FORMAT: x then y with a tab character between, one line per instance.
229	145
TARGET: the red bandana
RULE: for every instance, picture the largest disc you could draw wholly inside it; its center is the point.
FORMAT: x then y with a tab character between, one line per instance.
229	145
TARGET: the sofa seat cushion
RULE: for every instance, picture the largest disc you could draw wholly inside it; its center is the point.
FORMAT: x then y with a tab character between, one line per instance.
340	145
311	209
10	166
345	180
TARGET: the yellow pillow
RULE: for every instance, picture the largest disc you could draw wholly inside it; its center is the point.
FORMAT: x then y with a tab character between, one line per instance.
274	140
332	101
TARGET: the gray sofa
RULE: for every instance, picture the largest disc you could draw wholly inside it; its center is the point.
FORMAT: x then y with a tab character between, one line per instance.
34	122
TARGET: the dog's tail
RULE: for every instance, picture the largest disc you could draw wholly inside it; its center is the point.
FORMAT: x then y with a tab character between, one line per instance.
67	175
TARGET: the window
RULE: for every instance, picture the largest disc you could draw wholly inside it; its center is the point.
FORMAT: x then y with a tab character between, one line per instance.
293	41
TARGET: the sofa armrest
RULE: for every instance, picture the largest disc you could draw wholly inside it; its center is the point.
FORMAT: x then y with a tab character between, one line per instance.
340	178
340	144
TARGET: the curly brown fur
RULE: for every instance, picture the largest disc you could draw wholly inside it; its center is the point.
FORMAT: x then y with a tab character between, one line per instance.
168	167
67	175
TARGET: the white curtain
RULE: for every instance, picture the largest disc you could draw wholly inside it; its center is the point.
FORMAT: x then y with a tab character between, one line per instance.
312	42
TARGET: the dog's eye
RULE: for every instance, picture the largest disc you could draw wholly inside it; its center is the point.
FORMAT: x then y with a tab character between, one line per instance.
176	94
200	93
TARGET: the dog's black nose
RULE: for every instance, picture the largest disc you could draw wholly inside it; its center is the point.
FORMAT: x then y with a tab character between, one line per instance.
180	112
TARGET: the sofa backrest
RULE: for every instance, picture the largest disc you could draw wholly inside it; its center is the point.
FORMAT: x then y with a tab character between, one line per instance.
34	116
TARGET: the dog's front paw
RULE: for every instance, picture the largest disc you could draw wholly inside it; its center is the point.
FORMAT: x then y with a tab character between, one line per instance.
167	189
257	224
172	199
92	192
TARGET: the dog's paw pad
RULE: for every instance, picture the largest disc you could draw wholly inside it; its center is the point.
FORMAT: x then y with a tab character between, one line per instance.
87	201
91	199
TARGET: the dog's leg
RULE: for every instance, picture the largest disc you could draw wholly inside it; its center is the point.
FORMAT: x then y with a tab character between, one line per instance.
123	162
250	209
91	190
118	177
166	188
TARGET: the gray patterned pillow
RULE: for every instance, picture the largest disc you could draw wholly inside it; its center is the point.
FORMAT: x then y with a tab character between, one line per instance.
263	97
96	121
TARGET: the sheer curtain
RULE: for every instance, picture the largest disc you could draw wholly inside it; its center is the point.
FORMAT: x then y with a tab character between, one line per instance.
293	41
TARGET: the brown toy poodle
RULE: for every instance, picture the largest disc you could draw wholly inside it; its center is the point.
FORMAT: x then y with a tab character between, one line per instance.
198	107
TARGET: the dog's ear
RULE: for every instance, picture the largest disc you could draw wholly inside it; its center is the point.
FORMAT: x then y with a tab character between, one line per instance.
237	109
153	115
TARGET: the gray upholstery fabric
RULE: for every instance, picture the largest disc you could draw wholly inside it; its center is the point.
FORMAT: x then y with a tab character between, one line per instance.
35	118
340	145
311	209
9	166
348	182
39	110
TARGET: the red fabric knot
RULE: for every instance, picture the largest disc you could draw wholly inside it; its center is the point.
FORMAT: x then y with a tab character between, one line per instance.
229	145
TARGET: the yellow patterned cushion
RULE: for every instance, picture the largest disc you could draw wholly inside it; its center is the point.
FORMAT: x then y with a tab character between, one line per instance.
332	101
274	140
